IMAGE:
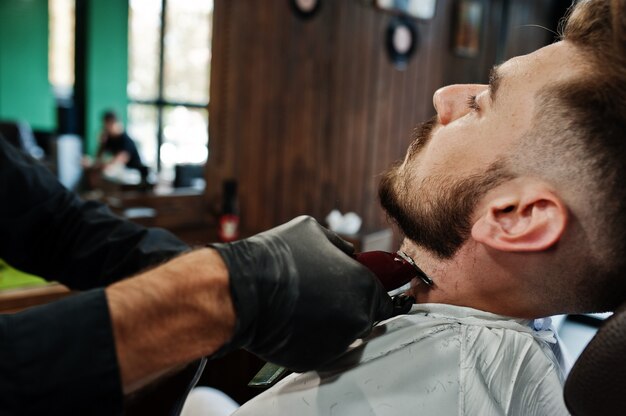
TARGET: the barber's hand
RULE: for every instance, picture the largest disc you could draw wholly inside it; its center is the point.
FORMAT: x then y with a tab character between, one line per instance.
300	299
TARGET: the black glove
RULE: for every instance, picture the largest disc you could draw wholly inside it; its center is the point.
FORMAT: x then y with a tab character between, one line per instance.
300	299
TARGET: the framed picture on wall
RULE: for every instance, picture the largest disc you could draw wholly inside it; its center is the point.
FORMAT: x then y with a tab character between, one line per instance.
467	28
401	41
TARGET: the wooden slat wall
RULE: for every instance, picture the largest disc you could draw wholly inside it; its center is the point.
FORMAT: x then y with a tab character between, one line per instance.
532	23
305	114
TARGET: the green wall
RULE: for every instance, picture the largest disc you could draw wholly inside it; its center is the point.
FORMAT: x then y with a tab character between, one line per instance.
106	63
25	92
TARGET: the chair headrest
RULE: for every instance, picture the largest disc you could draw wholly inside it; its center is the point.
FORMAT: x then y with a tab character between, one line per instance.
597	383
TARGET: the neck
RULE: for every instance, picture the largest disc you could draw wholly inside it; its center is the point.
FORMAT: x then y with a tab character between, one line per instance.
468	279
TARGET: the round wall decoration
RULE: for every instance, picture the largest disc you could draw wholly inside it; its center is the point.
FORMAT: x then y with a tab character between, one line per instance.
401	41
305	8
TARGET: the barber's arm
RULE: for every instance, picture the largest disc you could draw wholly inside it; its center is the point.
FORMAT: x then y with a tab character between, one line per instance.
290	295
60	358
170	315
48	231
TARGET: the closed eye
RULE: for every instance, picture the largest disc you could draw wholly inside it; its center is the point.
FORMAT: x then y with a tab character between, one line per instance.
472	103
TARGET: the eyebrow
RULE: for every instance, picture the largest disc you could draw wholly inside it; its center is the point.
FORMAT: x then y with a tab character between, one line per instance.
494	82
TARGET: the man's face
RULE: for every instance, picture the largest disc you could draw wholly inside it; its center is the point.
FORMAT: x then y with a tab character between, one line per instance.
111	126
458	157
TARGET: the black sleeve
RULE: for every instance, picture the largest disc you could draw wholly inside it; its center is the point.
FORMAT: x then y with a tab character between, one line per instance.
59	359
128	145
48	231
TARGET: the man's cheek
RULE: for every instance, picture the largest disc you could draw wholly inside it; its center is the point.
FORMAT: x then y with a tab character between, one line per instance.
439	161
460	158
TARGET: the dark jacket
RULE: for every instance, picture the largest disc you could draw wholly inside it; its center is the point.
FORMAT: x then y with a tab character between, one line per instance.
60	358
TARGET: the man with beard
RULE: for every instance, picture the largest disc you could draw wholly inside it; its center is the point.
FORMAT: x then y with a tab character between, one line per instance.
512	202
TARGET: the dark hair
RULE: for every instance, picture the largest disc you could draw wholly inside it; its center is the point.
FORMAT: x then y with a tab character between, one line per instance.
597	107
577	142
108	116
579	137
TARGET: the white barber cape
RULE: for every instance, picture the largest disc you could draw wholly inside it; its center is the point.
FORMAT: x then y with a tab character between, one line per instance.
438	360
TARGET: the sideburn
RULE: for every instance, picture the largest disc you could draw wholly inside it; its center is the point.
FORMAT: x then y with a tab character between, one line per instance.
421	136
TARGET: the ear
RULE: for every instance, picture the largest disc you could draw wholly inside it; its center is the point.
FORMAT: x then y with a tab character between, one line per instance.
526	218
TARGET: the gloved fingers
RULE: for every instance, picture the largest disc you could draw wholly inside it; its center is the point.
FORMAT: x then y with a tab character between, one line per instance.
383	309
338	242
387	308
306	225
402	304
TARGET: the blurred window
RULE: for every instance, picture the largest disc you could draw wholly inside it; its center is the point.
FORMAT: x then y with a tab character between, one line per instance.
168	80
61	15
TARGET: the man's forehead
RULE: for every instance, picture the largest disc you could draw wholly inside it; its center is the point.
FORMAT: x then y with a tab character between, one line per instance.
553	63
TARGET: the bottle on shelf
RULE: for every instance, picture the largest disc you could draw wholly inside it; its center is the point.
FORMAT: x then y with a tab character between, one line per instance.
228	228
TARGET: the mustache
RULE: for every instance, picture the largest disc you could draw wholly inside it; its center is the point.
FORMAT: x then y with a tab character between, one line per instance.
421	136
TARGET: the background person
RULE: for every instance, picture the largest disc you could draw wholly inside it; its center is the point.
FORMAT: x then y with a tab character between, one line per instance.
115	141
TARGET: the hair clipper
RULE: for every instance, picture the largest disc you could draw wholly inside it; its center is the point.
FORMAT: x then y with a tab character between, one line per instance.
393	270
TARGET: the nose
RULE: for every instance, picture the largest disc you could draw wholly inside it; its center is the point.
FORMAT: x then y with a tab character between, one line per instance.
451	102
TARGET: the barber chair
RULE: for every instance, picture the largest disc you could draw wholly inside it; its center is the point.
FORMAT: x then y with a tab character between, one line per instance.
597	383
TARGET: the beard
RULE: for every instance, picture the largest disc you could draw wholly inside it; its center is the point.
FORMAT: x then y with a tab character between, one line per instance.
435	212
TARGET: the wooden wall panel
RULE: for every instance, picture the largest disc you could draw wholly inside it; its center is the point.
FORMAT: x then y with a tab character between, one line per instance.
530	24
306	114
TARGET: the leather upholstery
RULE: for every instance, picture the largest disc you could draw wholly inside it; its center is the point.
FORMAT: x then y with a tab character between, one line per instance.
597	383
